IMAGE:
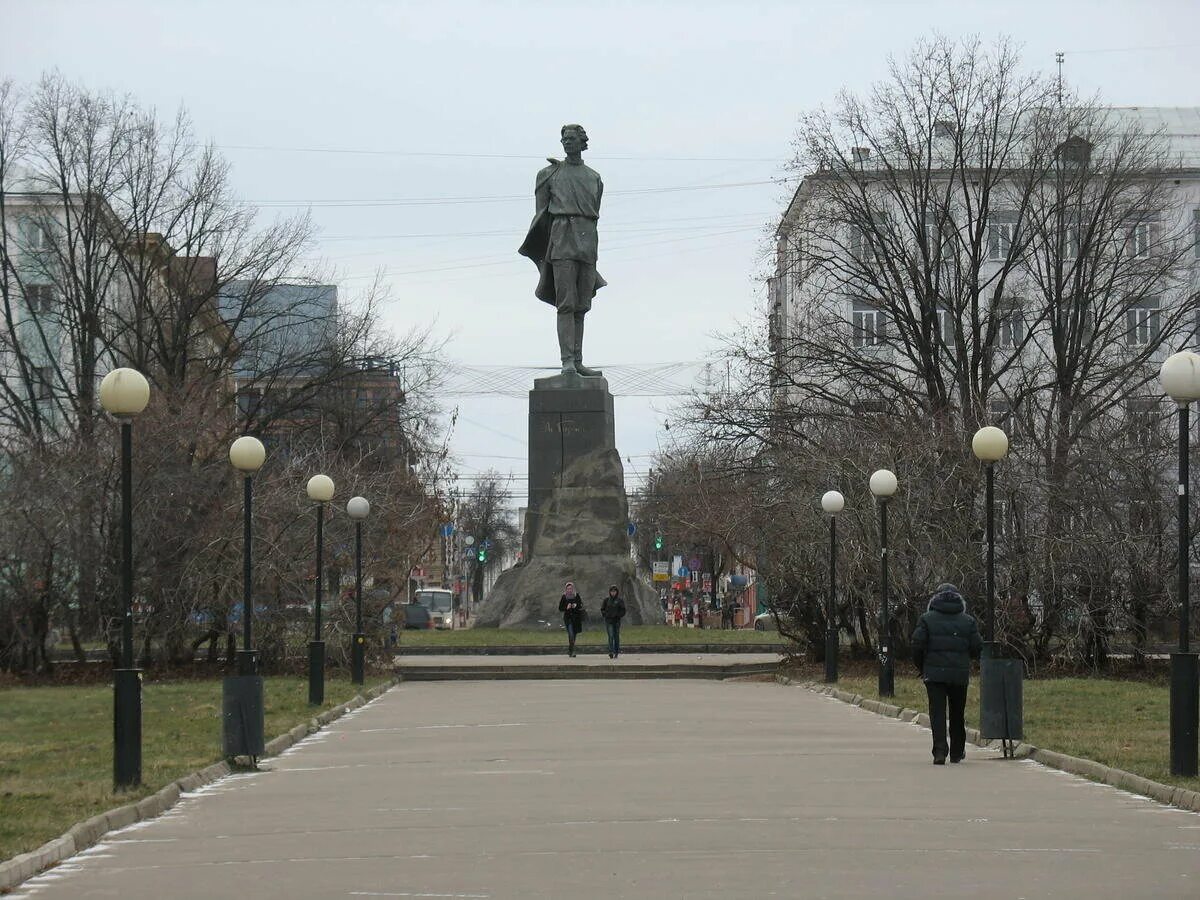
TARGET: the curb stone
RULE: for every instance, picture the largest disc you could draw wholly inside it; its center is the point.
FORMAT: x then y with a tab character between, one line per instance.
89	832
1085	768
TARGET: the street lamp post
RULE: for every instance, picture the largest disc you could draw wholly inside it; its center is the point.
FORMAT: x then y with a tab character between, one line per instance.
832	503
320	490
358	509
883	487
124	393
247	455
1180	379
242	694
1001	690
990	445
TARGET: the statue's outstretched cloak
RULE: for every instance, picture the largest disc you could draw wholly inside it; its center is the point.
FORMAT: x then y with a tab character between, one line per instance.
536	245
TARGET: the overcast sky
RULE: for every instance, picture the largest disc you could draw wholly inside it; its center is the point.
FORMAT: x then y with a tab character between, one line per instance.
465	100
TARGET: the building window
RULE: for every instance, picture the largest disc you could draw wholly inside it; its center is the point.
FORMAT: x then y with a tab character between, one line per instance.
36	235
1142	323
1012	327
39	298
1142	420
1137	239
869	325
934	248
947	323
1002	231
860	246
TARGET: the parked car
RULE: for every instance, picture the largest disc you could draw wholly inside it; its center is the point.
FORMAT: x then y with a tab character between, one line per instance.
765	622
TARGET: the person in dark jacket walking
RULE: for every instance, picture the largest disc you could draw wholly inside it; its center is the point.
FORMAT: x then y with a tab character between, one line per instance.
613	611
944	643
571	606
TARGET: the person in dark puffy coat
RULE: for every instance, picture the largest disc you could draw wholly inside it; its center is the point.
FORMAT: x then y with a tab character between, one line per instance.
613	611
944	643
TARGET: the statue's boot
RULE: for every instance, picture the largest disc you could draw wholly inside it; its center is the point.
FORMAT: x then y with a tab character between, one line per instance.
579	366
567	343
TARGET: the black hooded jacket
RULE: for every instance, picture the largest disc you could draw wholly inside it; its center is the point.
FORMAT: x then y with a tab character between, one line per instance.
946	638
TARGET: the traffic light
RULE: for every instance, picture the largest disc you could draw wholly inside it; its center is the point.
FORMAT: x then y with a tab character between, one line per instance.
658	542
482	555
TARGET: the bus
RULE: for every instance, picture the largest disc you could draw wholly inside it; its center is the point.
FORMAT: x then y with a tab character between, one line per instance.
440	604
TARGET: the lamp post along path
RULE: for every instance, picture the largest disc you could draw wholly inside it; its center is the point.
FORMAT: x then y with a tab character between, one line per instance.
883	486
124	393
1001	681
320	490
242	694
358	509
1180	379
832	503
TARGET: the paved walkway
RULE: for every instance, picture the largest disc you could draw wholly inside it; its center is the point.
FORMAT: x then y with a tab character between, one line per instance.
648	789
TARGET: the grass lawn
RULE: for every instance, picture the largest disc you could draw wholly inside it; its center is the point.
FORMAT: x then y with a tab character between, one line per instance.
592	634
1120	723
56	746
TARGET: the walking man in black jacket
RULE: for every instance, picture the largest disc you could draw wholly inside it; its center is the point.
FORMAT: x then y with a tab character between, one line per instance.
944	643
613	611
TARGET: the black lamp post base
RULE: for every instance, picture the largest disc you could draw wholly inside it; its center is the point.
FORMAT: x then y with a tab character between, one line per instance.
887	677
358	653
831	656
242	716
127	728
247	662
1185	703
316	672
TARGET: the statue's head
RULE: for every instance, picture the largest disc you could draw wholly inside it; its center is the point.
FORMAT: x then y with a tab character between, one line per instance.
574	138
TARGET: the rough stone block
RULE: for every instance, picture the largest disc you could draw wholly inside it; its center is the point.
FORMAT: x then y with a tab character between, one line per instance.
121	817
169	795
8	875
908	715
888	709
923	719
278	745
60	848
189	783
149	807
299	733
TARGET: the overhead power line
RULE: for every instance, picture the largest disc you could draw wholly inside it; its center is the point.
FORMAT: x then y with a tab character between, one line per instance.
455	155
505	198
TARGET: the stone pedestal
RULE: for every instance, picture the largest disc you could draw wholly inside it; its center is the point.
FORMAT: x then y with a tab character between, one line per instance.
576	518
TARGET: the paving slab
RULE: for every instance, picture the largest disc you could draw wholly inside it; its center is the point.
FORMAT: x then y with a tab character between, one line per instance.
638	789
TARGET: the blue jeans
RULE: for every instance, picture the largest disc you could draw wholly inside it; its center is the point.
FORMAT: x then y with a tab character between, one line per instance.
571	632
614	637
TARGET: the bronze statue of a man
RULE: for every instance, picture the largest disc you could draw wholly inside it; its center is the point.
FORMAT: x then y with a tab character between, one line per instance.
563	243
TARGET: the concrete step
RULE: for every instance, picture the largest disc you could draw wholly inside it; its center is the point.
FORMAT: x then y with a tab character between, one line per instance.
590	649
486	672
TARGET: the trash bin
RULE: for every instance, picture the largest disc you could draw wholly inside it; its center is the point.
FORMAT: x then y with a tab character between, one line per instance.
1001	701
242	714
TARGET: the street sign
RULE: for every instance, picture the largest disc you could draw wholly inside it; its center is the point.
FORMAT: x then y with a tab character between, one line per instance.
682	572
632	529
694	564
469	540
662	571
448	529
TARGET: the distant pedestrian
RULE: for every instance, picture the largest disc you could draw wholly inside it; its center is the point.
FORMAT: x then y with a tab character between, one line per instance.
571	606
691	614
613	611
677	613
944	643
